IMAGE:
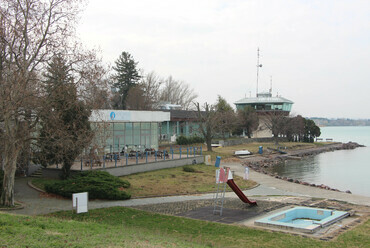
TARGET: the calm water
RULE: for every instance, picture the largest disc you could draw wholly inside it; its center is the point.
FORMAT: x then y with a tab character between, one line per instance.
344	170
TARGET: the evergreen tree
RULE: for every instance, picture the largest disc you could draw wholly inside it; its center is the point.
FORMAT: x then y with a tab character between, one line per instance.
226	118
311	131
65	128
126	77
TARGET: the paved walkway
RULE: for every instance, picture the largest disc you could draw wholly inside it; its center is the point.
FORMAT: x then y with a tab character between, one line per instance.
36	203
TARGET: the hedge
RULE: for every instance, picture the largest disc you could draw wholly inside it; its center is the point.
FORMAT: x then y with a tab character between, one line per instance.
99	184
182	140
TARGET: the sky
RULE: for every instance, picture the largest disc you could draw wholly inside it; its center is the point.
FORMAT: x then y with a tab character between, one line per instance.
316	52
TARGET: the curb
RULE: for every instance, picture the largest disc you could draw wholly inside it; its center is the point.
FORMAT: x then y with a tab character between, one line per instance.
29	183
21	206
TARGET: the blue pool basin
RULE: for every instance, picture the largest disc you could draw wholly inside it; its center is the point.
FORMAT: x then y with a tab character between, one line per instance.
303	219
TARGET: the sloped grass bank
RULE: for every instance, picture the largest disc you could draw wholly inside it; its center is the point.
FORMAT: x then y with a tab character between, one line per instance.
125	227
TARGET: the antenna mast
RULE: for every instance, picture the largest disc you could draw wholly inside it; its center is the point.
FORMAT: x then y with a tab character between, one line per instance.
258	66
271	85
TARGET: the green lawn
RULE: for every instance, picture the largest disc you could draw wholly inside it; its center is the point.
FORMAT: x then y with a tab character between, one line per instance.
176	181
170	181
125	227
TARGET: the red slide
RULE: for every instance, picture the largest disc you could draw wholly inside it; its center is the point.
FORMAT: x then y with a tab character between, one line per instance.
239	193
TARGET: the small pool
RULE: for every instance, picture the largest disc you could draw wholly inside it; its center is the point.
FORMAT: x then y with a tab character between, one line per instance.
303	219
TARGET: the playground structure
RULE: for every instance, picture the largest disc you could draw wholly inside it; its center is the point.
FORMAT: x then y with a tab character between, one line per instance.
224	176
239	193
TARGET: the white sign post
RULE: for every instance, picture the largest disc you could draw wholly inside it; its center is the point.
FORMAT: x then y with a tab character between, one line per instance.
246	173
79	202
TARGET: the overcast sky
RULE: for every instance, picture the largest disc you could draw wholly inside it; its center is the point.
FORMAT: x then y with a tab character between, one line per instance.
317	52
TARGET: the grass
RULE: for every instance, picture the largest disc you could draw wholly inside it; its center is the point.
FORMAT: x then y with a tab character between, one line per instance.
171	181
40	182
177	181
125	227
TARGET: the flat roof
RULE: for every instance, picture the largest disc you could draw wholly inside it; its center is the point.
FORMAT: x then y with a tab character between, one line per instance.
250	100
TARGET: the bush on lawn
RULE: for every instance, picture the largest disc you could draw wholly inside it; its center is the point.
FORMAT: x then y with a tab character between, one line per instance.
182	140
188	168
99	184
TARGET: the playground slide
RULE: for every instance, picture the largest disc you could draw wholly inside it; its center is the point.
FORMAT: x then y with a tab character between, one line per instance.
239	193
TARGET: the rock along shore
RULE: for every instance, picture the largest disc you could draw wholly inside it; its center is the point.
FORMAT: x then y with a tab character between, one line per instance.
263	163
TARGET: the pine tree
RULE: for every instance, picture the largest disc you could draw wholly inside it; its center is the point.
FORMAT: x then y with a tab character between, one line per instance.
65	128
126	77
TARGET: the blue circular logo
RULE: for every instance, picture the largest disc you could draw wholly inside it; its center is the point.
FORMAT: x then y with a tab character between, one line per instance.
112	115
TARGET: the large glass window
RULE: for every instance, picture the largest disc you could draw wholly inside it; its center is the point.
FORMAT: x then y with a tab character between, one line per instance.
128	139
119	126
113	137
137	134
128	134
145	125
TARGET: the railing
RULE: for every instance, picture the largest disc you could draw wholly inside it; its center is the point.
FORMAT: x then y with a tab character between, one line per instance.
109	160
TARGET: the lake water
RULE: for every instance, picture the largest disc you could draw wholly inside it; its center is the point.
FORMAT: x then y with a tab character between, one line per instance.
344	169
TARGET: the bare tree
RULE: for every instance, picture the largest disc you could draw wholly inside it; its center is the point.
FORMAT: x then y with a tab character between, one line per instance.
276	121
151	85
225	117
207	122
178	92
136	99
92	79
248	120
31	32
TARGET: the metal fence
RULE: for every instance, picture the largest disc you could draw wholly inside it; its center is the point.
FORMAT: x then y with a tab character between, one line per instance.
115	159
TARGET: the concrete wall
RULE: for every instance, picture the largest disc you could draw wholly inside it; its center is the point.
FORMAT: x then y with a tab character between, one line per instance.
134	168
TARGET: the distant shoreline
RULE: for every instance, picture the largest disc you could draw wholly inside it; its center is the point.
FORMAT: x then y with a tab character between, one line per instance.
339	122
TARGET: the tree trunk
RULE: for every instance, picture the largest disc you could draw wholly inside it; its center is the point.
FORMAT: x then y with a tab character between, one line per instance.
249	132
209	144
66	170
10	166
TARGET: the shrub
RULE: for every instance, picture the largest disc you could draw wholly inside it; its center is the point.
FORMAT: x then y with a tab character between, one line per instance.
188	168
196	140
182	140
99	184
